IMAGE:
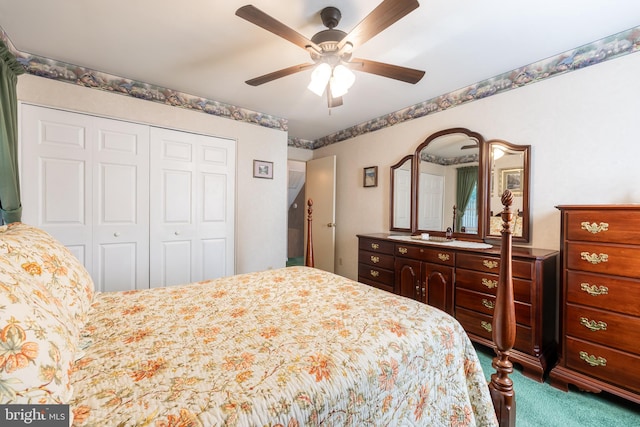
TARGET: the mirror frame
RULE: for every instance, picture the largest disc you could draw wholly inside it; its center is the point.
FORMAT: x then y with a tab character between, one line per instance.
402	161
526	180
484	187
480	189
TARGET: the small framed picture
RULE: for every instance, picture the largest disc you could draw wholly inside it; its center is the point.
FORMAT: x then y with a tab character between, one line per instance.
262	169
371	176
511	179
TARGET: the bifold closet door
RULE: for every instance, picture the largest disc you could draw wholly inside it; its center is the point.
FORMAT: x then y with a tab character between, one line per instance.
192	204
85	180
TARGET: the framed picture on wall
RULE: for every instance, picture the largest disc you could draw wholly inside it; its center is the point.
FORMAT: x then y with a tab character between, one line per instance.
262	169
371	176
511	179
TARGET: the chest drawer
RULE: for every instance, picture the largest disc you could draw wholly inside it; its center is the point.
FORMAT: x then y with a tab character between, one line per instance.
491	264
437	256
609	293
375	245
618	260
602	327
488	283
376	259
621	226
607	364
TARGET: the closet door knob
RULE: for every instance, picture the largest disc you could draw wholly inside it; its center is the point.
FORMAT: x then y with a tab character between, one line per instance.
116	234
177	233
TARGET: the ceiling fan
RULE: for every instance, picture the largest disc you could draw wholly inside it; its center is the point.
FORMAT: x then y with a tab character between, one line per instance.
331	49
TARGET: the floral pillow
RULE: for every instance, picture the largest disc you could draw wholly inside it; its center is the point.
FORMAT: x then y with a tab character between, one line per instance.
37	342
51	264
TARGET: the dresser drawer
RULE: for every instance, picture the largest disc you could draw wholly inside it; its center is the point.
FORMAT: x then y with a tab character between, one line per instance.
491	264
606	259
377	274
437	256
620	226
485	303
376	259
609	293
480	325
602	327
375	245
488	283
616	367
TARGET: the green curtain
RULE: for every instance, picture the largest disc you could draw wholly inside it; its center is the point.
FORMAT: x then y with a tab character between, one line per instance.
467	180
10	69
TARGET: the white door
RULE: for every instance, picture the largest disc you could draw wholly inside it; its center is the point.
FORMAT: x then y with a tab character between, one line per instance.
431	202
56	179
192	203
85	181
120	205
321	188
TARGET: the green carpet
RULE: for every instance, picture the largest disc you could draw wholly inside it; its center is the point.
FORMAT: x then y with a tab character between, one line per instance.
541	405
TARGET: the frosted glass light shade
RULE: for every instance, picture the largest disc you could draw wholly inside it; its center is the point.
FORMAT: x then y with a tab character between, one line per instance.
319	78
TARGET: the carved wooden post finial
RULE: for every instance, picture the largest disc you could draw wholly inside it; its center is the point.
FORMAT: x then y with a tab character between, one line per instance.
504	326
309	256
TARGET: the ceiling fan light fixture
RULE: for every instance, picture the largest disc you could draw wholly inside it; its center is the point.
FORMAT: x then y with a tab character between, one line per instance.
341	80
319	78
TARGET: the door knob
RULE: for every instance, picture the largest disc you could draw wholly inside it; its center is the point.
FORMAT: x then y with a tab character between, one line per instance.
331	224
116	234
177	233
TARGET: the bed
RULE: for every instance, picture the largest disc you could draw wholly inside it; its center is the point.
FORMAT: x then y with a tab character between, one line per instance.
295	346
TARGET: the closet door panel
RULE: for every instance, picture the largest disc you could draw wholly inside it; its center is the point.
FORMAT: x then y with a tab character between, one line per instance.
55	176
192	200
121	207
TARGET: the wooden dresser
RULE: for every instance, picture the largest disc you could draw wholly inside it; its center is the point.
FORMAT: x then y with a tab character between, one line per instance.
463	281
600	300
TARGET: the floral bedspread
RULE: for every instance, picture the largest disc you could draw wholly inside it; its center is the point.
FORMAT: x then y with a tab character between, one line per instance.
288	347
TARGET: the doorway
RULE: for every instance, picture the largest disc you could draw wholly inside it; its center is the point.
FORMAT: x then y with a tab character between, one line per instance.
296	173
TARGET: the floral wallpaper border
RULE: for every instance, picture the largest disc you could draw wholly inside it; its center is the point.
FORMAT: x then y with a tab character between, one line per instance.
611	47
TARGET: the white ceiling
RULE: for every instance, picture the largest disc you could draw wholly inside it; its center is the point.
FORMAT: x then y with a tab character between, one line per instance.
201	48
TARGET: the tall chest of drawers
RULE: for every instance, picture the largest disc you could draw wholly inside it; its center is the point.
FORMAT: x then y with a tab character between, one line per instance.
600	300
463	282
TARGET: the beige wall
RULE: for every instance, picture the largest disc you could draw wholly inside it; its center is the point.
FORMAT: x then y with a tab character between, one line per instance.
261	204
585	136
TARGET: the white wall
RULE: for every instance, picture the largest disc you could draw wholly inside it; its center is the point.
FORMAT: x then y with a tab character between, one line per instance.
584	131
261	204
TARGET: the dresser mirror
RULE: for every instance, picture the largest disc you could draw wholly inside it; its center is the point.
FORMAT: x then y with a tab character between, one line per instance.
448	183
455	180
401	178
508	169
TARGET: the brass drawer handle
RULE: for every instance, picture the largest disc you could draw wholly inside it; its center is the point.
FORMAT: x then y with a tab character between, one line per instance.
375	259
594	290
486	326
594	258
489	283
489	304
443	257
403	251
375	246
592	325
489	264
594	228
374	273
593	360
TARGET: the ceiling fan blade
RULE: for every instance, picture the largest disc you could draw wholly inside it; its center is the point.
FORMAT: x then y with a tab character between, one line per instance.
261	19
278	74
409	75
387	13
